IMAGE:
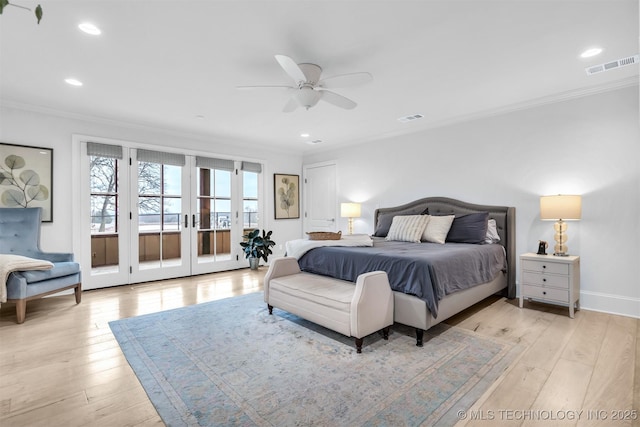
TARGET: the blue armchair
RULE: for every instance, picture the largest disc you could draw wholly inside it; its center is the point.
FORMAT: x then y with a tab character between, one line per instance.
20	235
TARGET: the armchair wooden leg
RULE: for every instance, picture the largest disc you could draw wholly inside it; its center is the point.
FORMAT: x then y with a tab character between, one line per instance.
21	310
78	293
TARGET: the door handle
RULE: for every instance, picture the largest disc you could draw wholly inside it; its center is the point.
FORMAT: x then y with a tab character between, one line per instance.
193	219
332	220
186	221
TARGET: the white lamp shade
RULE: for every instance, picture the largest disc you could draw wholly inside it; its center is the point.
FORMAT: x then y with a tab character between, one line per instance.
561	207
307	97
350	210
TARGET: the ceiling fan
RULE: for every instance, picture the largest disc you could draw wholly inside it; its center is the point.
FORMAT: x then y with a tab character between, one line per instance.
309	88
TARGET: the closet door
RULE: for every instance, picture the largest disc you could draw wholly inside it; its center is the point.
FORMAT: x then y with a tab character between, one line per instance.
320	197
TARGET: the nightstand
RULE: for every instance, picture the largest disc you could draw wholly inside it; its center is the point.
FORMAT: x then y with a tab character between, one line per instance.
551	279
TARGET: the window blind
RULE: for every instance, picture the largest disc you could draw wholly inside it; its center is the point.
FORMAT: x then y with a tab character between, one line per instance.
104	150
211	163
251	167
161	157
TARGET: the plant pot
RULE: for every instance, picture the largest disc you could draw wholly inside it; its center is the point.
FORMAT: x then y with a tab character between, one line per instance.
254	263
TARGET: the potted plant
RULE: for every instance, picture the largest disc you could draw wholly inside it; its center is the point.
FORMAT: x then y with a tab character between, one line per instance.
256	246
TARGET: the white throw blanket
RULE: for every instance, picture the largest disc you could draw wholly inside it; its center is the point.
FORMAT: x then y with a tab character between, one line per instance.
11	263
297	248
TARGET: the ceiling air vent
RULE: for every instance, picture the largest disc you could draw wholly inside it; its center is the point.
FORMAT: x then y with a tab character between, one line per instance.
623	62
407	119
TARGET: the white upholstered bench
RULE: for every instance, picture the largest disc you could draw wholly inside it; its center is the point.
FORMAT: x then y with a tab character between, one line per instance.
355	310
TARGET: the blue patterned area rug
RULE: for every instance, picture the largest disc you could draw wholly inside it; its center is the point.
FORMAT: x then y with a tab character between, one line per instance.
229	362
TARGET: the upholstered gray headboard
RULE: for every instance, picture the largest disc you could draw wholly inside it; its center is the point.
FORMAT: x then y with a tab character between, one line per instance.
505	217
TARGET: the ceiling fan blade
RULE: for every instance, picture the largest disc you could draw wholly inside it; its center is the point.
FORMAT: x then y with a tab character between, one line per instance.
264	87
346	80
338	100
290	106
291	68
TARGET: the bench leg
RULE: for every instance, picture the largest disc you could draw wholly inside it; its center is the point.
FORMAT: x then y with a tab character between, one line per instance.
385	333
359	345
419	334
270	307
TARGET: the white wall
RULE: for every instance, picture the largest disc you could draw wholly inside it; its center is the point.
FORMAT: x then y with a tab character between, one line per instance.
588	146
42	129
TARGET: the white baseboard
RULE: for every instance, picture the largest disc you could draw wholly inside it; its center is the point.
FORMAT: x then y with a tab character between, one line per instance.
609	303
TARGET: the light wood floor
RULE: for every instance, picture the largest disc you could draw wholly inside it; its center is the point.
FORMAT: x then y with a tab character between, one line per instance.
63	367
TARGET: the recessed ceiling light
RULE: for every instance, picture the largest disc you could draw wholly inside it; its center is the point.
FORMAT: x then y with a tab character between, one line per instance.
591	52
73	82
304	135
90	29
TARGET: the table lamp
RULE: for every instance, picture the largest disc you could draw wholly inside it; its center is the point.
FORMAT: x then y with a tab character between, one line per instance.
350	210
560	208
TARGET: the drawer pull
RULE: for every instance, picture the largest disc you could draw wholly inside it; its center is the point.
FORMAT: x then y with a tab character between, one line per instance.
544	292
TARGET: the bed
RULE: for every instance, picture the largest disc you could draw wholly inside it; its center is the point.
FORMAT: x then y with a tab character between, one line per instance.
421	299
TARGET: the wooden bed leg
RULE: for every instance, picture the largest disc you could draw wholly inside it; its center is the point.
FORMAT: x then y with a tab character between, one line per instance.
270	308
359	345
385	333
419	334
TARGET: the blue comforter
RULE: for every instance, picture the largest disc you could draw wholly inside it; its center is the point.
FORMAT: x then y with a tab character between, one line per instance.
427	270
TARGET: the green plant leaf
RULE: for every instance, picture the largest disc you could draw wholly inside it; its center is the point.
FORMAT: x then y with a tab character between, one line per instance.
39	13
3	3
13	198
38	192
30	177
14	162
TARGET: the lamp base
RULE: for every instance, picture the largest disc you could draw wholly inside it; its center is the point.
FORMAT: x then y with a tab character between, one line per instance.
560	249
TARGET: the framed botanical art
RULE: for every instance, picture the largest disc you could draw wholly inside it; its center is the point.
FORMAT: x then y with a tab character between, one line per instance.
286	196
26	178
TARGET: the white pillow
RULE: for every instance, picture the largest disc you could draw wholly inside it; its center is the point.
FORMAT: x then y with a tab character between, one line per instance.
407	228
437	228
492	232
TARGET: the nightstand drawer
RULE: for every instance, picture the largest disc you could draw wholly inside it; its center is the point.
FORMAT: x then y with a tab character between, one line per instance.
545	293
545	279
545	267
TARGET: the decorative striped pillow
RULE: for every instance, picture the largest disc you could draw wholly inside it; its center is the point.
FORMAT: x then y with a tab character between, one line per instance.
407	228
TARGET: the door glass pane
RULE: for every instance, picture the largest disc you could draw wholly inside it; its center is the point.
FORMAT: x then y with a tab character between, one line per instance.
172	210
251	216
159	215
214	214
172	180
104	214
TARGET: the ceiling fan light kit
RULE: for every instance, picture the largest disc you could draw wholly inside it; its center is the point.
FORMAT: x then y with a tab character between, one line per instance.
309	88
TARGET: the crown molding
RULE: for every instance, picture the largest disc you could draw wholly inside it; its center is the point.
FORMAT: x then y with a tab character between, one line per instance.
507	109
176	133
426	125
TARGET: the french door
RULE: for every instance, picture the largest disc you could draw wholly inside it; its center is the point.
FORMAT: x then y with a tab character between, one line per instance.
159	188
156	215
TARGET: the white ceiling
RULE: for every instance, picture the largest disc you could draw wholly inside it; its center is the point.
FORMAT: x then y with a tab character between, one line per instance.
163	63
